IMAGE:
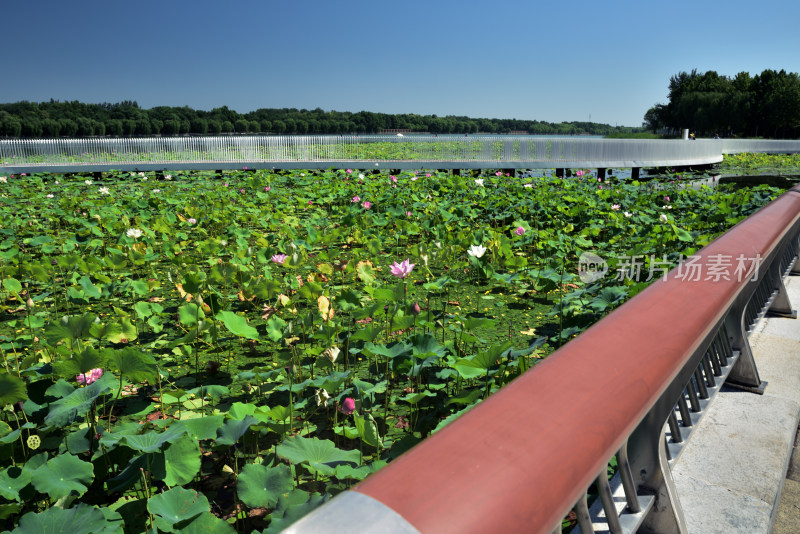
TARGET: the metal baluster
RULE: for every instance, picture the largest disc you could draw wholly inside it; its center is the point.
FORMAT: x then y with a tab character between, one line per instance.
700	381
686	419
714	362
674	428
631	495
582	514
693	400
612	518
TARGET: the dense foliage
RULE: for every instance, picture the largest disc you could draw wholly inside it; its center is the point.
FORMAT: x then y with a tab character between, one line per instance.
196	353
766	105
71	119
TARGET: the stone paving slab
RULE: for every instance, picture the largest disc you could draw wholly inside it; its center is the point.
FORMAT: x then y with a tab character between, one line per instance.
732	472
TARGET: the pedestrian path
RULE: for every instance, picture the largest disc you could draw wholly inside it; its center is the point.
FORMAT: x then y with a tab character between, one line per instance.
732	473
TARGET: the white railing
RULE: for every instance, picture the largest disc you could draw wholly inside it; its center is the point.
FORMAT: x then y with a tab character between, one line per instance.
414	151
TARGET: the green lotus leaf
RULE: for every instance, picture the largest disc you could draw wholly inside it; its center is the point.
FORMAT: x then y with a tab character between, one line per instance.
202	427
69	328
320	454
190	313
368	430
275	327
234	429
82	519
191	282
12	285
77	403
89	289
426	345
122	331
13	479
152	441
481	362
62	475
133	364
261	486
212	390
176	506
237	325
207	523
392	350
182	461
12	389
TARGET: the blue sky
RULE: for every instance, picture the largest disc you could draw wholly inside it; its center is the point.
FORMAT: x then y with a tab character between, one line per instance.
553	61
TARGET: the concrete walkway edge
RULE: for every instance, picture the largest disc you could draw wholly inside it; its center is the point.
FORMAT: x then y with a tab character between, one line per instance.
732	472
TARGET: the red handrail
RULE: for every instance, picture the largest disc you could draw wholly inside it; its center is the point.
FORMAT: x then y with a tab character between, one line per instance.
520	460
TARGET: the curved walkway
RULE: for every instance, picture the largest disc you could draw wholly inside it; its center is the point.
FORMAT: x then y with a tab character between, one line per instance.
360	152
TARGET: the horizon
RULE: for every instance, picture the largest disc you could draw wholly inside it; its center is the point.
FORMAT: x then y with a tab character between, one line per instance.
605	64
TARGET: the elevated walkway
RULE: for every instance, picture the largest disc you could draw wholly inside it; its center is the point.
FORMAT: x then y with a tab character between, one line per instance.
730	476
357	152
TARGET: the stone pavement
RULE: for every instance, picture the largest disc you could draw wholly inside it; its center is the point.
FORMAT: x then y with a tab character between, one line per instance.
732	473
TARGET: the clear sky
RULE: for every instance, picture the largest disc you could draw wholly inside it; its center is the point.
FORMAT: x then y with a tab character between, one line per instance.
561	60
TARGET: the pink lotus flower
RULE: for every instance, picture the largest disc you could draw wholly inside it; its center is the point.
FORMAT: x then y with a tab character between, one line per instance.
666	199
579	173
393	178
90	376
367	204
348	406
402	269
191	220
280	259
498	173
267	188
520	230
427	175
615	207
408	214
349	171
356	199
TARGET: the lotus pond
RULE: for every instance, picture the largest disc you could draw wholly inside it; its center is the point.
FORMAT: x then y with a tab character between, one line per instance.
198	352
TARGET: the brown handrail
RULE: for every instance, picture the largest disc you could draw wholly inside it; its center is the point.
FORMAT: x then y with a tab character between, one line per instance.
520	460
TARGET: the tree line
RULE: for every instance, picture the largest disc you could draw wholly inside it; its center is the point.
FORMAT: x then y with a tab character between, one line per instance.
764	105
127	119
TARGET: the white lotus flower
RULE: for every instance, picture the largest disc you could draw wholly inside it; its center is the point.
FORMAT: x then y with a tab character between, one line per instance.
479	181
477	251
664	218
87	182
322	397
134	233
332	353
4	179
104	191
